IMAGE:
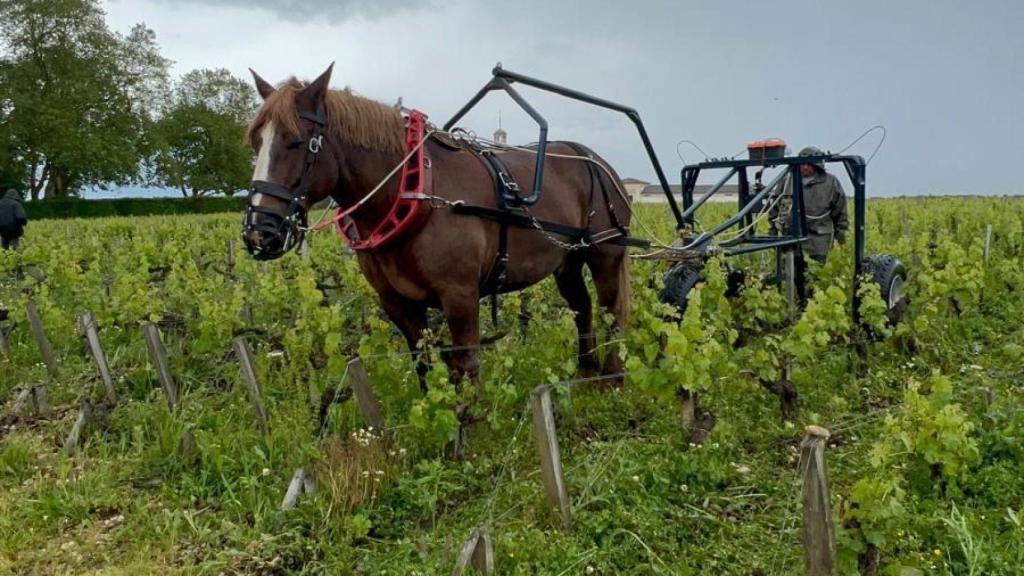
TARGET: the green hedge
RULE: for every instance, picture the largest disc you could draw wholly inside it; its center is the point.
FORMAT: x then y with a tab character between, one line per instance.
76	208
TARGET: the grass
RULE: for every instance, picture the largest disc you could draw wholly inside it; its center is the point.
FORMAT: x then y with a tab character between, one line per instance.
644	500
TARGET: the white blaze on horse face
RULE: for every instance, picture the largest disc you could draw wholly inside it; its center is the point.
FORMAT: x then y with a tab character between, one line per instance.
262	170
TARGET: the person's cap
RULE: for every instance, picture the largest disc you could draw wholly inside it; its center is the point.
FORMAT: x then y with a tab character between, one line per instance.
813	151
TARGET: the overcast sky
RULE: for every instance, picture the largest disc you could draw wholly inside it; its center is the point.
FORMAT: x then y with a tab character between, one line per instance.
944	77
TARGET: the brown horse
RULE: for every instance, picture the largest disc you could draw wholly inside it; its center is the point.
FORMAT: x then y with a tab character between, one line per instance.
312	142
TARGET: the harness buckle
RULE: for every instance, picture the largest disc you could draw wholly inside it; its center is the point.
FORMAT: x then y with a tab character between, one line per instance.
508	182
316	143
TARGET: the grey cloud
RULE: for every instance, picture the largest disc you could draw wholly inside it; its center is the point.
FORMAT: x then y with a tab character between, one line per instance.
332	11
942	75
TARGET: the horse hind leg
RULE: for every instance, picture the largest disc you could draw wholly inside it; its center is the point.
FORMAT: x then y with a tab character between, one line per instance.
573	289
610	269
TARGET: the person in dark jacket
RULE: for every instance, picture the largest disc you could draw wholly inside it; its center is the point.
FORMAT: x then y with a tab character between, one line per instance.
824	208
12	220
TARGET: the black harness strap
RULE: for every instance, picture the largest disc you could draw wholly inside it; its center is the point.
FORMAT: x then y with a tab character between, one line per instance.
595	174
506	190
508	214
520	220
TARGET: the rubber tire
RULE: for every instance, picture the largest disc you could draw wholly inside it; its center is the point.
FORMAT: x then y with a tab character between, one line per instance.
679	281
885	270
737	280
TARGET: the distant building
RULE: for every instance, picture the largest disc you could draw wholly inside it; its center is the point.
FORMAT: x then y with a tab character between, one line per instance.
500	136
634	187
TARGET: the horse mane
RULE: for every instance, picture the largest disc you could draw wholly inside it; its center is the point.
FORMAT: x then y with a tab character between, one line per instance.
357	120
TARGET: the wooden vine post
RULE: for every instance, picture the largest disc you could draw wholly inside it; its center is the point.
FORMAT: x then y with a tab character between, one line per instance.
78	430
37	392
789	283
229	268
478	551
92	338
369	407
302	483
819	537
187	445
158	355
5	348
36	323
988	242
252	384
20	401
550	457
246	314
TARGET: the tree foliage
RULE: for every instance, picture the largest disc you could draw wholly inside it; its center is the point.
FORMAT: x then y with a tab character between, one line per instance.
76	95
199	141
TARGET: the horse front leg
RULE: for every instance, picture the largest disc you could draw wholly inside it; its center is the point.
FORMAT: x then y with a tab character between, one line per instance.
411	319
462	314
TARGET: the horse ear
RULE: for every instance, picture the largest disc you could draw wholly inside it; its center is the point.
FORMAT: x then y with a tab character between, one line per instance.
264	88
317	89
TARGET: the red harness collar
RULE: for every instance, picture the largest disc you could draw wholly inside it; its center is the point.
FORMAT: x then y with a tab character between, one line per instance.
409	210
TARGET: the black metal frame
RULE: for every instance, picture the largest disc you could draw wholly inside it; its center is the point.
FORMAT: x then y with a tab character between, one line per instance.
503	80
748	242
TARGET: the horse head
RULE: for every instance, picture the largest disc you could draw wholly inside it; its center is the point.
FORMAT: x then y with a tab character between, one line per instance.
292	170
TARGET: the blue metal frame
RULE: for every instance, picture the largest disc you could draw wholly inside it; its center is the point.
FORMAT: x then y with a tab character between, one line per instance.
749	242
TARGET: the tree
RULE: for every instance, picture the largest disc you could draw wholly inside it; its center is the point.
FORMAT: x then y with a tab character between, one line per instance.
219	91
12	173
200	140
77	97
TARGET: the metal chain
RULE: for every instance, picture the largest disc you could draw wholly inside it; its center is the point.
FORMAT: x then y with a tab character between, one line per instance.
551	238
440	202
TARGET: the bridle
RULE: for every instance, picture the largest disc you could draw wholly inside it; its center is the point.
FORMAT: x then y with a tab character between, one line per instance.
286	223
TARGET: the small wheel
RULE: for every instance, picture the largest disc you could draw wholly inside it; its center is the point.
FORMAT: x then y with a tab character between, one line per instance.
679	282
890	275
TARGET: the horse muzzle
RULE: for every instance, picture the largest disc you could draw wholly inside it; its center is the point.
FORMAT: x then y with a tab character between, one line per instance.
270	229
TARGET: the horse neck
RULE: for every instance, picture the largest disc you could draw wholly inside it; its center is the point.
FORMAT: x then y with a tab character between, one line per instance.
360	171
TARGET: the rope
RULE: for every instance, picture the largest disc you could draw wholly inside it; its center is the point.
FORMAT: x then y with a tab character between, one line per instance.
469	136
691	143
380	186
464	348
488	511
861	137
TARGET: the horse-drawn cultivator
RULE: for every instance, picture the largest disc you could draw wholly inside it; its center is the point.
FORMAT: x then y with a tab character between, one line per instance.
455	226
754	197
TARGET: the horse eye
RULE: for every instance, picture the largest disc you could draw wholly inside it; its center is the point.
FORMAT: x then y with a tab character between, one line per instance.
294	144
